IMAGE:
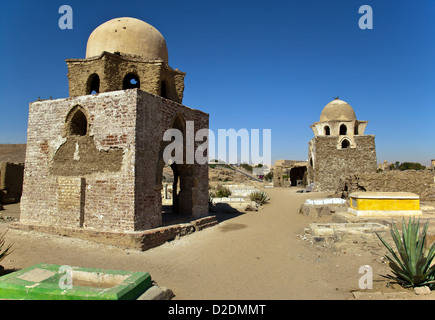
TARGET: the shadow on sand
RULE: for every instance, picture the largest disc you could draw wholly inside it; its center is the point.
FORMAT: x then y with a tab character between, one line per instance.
222	212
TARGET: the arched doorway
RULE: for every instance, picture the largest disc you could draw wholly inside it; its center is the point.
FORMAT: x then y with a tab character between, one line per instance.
298	176
179	186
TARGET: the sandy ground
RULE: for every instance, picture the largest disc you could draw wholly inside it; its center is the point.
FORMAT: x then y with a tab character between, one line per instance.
257	255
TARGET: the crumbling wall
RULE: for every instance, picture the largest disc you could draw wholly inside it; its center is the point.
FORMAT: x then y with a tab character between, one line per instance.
278	180
297	170
419	182
11	181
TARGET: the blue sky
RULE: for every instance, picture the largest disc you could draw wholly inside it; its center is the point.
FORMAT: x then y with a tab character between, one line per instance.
250	64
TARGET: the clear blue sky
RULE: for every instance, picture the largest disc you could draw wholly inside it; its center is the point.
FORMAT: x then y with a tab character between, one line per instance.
250	64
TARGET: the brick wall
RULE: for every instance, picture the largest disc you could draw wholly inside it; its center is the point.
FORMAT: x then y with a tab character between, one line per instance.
89	191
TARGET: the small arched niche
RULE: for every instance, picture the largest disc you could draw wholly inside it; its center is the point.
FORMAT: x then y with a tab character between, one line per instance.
77	122
327	130
131	81
345	144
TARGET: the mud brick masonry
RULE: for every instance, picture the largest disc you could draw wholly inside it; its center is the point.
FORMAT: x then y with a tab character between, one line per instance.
94	161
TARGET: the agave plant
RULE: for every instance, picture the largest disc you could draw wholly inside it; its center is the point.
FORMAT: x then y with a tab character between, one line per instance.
6	251
260	197
411	265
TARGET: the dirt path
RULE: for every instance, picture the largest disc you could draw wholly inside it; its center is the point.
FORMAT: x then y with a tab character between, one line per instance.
257	255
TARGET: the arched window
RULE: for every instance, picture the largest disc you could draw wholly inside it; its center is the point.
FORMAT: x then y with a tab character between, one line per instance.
345	144
77	123
93	84
343	130
131	81
163	93
327	130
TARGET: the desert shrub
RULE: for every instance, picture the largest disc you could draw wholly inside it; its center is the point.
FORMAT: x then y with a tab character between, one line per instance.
222	191
246	166
4	250
260	197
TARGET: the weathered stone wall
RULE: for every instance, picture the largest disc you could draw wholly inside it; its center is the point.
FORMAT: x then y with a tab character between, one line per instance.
112	69
11	181
331	163
278	180
109	178
297	170
419	182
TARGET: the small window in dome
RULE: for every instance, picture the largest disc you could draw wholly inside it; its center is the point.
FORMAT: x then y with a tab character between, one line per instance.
131	81
343	130
327	131
93	84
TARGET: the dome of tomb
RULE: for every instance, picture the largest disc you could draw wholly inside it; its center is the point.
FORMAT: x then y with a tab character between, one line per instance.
129	36
337	110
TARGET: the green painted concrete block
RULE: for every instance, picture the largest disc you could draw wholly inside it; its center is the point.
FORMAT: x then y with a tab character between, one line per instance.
55	282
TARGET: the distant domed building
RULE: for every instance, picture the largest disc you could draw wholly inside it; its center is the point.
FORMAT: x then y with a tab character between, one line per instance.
94	161
339	147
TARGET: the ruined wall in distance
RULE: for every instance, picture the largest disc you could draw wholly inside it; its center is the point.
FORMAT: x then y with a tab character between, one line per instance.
419	182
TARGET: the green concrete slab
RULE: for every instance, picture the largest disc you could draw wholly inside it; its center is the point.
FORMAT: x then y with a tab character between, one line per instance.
50	282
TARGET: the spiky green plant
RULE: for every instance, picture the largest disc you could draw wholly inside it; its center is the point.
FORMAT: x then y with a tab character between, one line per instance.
222	192
7	250
260	197
411	265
